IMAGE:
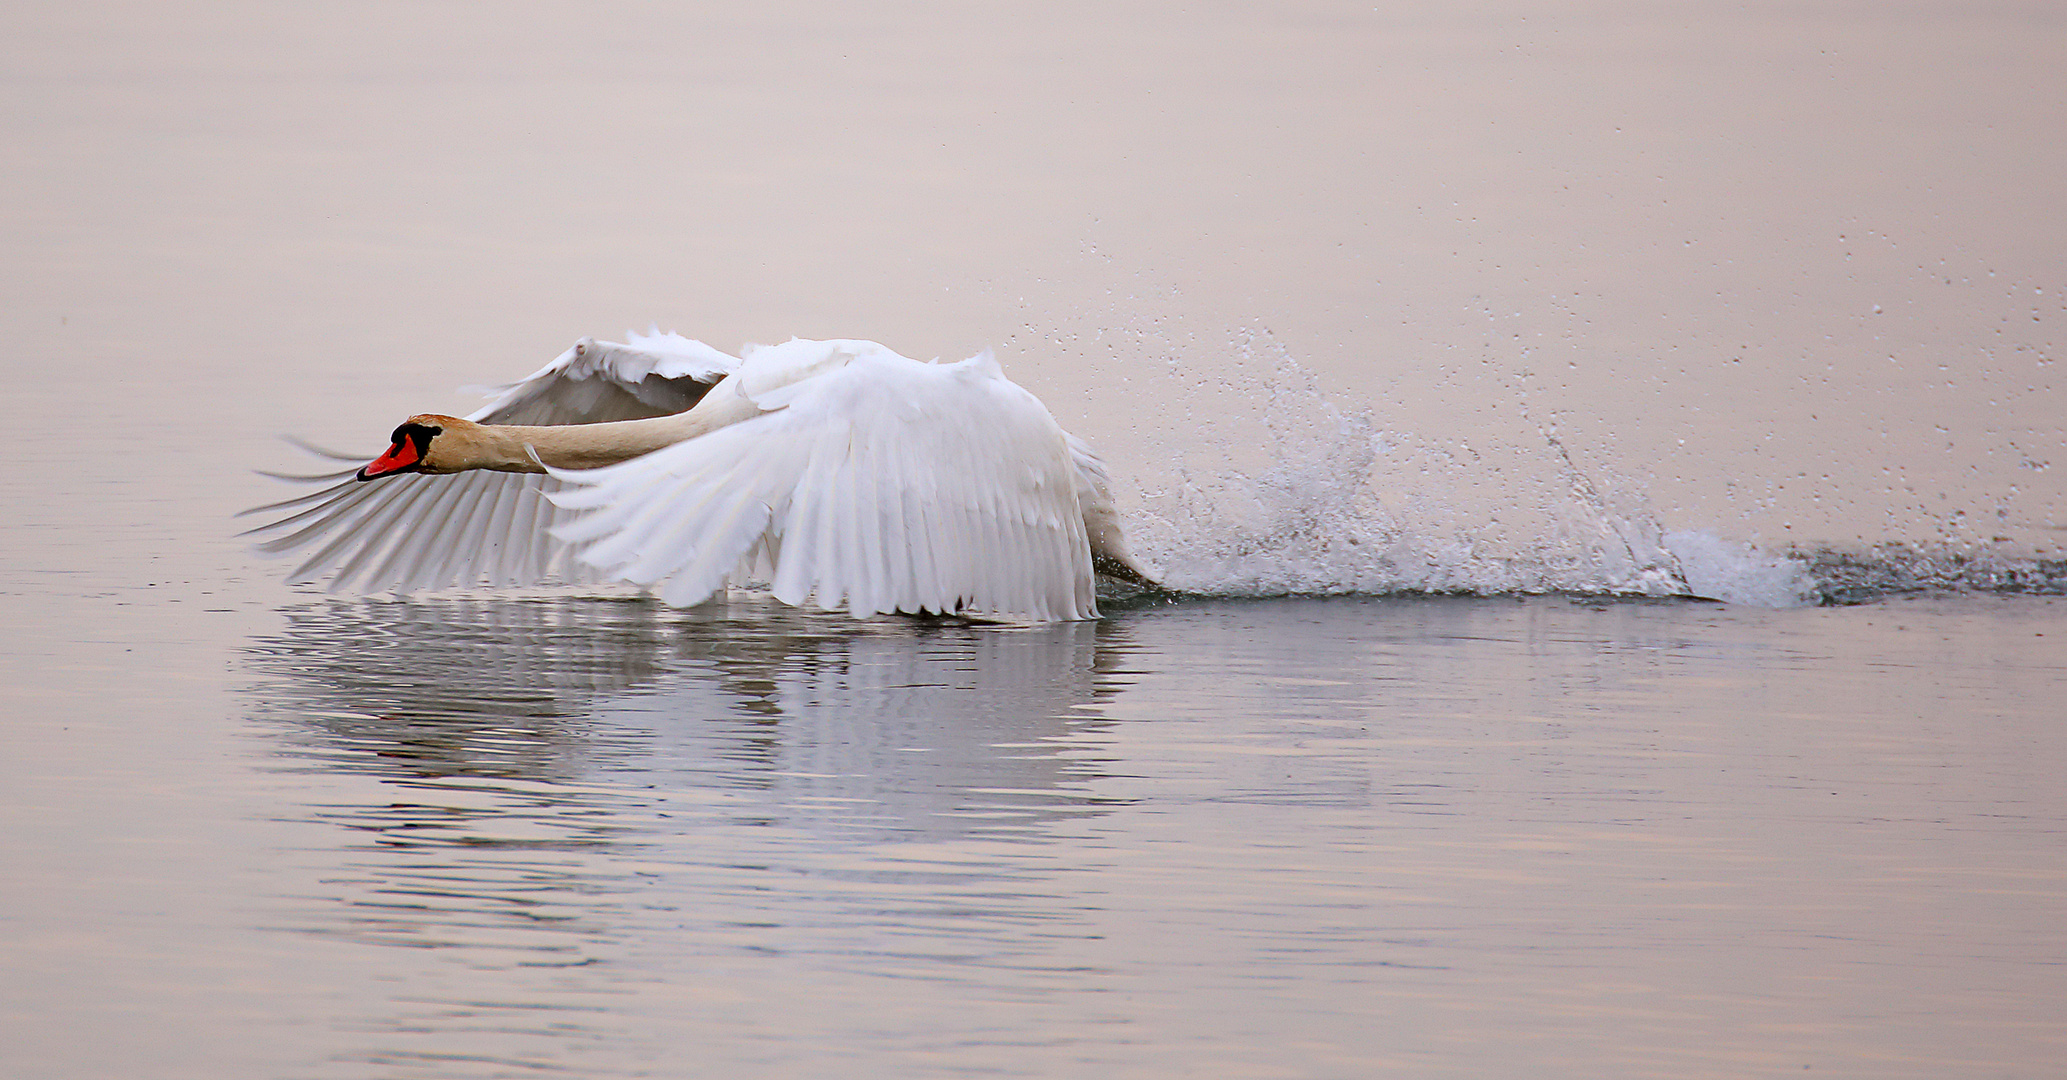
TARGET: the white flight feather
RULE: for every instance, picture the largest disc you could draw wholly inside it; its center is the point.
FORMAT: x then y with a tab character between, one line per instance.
873	483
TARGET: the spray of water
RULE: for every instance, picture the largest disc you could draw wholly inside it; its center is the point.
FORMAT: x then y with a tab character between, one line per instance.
1307	495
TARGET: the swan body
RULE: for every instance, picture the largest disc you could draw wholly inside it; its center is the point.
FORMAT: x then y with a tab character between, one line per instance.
839	472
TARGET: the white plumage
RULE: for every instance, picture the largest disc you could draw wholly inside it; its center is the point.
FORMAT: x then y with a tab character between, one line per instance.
839	472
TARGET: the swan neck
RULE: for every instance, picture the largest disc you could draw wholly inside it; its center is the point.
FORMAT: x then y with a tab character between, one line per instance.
581	446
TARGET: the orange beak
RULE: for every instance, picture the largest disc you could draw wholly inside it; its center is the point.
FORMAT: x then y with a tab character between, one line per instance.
400	457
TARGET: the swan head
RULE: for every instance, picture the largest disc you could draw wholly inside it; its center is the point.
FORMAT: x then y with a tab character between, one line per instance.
427	443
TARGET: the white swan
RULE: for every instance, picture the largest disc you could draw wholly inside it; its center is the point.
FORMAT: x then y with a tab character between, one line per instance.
838	471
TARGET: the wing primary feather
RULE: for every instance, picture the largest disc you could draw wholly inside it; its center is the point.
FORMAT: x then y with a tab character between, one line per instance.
842	582
727	540
871	532
925	575
987	535
659	538
587	489
299	478
1061	583
662	544
360	538
614	532
1012	539
898	544
1007	588
426	543
533	557
1051	563
536	522
1027	558
732	538
461	561
547	553
983	551
491	535
519	530
624	507
902	543
957	592
943	529
456	561
609	500
811	559
434	527
338	504
809	556
441	562
769	554
353	525
494	559
797	536
857	538
387	546
504	565
890	552
825	568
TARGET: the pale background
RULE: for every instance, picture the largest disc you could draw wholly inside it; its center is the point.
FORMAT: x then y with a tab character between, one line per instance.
1778	272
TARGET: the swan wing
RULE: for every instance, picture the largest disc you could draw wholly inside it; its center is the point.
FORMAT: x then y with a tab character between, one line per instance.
416	531
872	483
485	528
651	374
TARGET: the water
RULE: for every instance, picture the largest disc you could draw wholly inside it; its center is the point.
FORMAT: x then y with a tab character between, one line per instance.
1442	836
1441	356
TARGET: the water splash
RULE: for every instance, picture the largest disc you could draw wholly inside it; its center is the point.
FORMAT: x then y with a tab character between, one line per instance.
1309	496
1323	499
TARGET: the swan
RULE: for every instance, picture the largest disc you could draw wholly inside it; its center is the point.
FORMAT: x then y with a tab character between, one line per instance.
839	472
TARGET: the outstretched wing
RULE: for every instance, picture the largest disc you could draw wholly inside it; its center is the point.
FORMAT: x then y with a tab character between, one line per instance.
594	382
415	531
431	532
879	485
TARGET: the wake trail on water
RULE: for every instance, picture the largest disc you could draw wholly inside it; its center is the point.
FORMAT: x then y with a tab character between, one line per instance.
1307	497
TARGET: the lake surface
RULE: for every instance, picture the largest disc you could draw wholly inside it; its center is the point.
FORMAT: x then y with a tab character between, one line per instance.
1442	359
1327	837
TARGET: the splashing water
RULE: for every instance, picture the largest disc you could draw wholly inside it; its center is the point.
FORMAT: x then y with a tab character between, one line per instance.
1309	497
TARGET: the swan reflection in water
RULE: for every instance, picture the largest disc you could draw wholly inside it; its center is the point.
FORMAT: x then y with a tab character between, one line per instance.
550	803
920	726
534	761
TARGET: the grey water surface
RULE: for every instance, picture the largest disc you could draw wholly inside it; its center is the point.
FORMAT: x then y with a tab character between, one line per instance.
1418	339
1348	837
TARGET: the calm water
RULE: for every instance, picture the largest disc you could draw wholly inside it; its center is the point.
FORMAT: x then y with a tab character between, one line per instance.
1542	304
1293	837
